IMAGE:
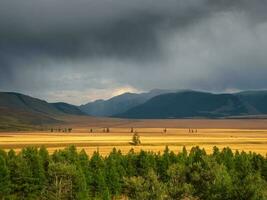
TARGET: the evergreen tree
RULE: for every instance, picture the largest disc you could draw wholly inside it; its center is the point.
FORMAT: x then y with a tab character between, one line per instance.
44	157
23	185
36	168
179	186
134	188
67	174
136	139
145	162
149	188
222	186
66	182
98	184
4	178
130	163
114	172
163	164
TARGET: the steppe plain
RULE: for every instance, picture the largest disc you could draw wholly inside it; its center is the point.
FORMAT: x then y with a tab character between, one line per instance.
238	134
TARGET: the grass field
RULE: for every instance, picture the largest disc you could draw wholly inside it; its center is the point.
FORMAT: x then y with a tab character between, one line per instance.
247	135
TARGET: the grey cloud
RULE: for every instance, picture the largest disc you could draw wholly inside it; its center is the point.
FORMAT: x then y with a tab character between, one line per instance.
61	49
107	27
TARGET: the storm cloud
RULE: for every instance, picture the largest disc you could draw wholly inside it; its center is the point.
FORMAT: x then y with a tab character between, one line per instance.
77	51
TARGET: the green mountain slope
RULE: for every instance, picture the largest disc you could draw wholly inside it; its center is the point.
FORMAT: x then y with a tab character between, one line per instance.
27	103
120	103
189	104
256	99
68	108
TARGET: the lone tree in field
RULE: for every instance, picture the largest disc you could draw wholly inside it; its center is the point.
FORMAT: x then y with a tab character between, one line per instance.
136	139
132	130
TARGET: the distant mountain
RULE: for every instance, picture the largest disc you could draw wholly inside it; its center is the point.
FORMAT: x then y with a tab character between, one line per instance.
119	104
257	100
18	110
22	112
193	104
68	108
16	119
26	103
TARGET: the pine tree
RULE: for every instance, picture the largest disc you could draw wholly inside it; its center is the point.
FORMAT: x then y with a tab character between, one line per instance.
4	179
136	139
66	181
36	167
97	170
114	172
178	186
145	188
23	186
45	158
84	164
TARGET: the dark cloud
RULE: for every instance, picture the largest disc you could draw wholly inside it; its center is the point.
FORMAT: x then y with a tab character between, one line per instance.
91	28
62	49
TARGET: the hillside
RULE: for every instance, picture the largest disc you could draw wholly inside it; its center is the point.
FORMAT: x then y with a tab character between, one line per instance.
22	112
14	119
68	108
256	99
18	111
192	104
26	103
120	103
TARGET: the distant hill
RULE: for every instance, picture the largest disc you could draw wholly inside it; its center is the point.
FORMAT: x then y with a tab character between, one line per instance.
257	100
68	108
193	104
26	103
15	119
119	104
22	111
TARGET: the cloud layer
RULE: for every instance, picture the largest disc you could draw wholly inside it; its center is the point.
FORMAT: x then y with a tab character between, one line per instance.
77	51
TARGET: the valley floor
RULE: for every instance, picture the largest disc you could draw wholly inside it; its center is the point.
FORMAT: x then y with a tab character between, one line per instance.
153	139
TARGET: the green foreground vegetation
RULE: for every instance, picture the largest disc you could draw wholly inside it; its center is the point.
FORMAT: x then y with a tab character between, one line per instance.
68	174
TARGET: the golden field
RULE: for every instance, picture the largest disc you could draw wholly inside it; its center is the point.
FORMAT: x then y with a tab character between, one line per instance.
247	135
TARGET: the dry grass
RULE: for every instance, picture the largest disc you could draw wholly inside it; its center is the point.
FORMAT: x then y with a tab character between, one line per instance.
153	139
85	122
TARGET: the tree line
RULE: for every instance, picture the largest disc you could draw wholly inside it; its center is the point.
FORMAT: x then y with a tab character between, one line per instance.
67	174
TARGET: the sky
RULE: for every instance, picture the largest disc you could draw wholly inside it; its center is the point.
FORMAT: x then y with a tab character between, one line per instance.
82	50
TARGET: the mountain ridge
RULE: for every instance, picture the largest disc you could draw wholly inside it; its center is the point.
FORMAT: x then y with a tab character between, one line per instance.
120	103
196	104
22	111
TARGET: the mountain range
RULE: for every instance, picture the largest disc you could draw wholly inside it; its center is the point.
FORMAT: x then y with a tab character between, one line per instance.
164	104
194	104
120	103
22	111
